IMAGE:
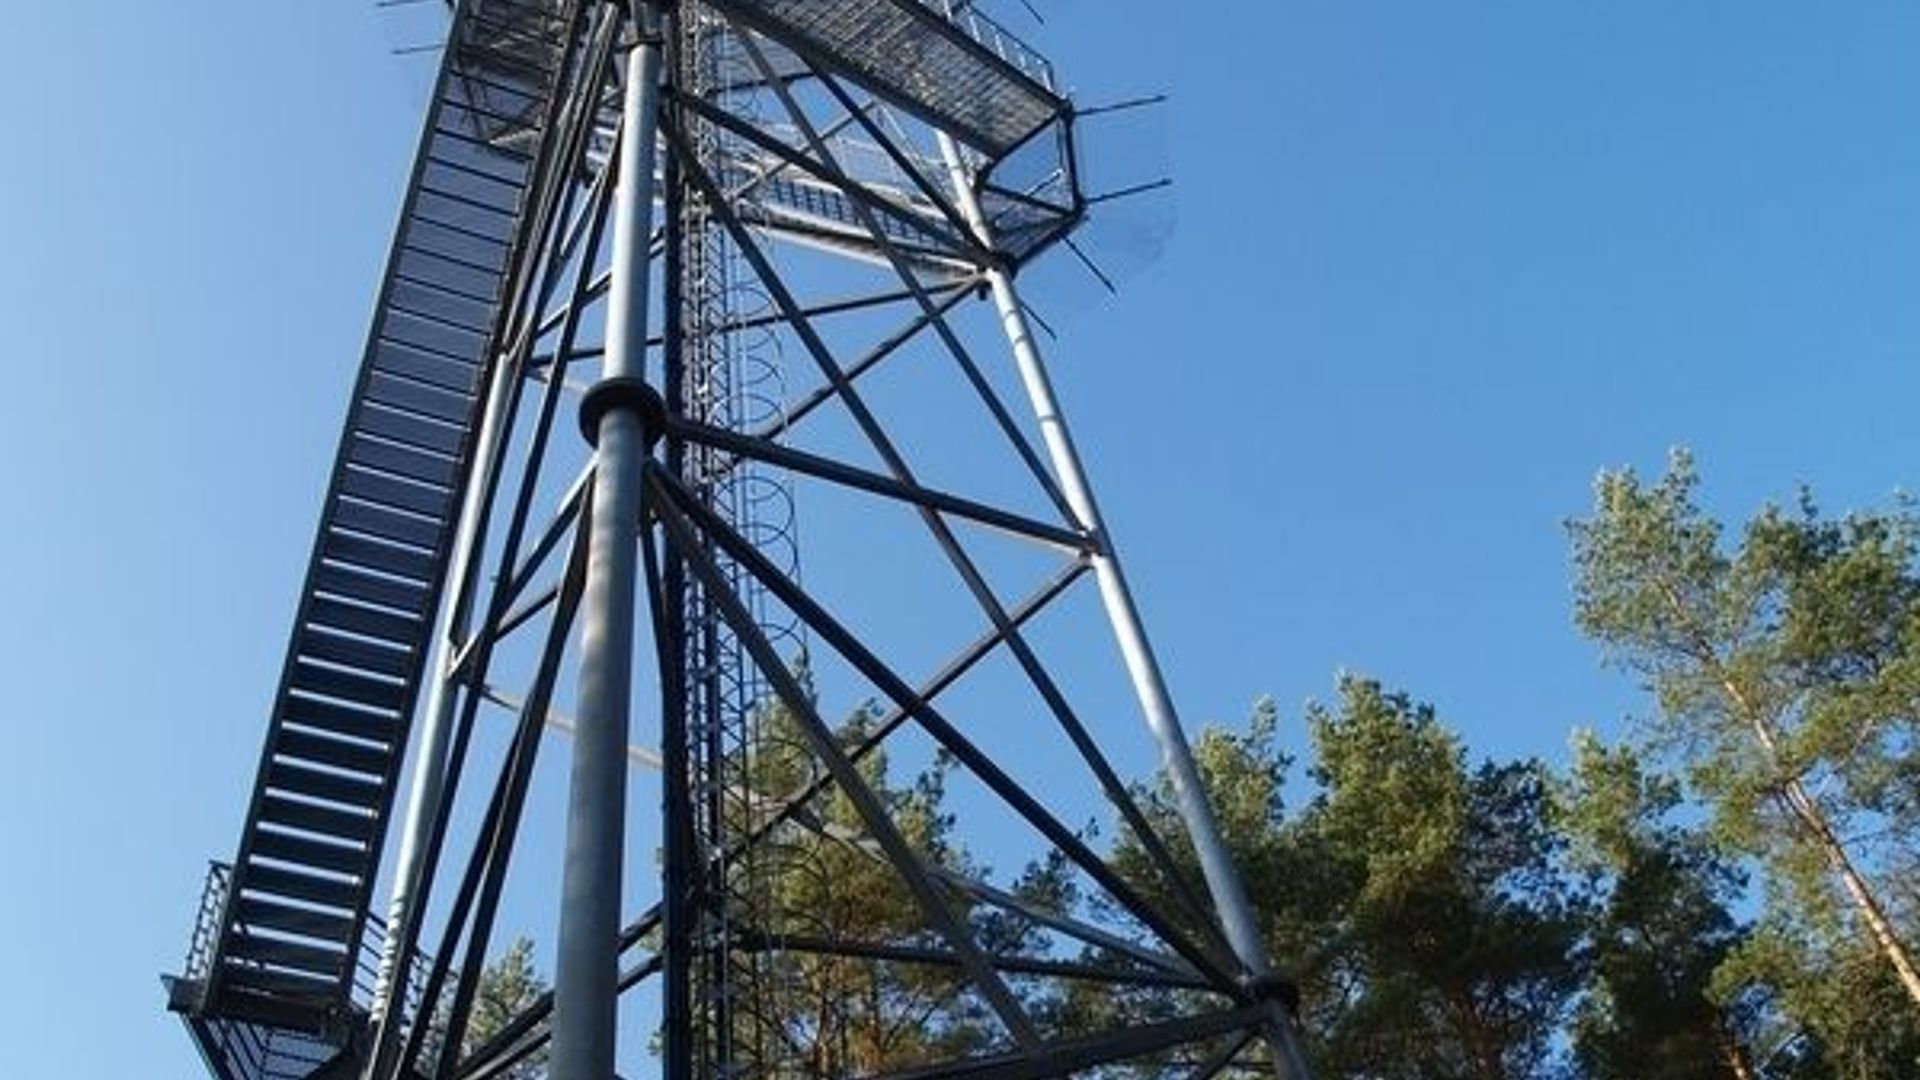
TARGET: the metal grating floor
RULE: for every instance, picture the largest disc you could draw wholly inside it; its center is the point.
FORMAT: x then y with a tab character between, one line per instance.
915	58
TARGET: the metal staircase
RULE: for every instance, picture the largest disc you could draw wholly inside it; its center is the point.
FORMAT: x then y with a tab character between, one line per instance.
284	946
278	981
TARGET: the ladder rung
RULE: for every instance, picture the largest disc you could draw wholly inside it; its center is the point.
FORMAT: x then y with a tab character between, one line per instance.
446	267
516	183
477	152
451	206
459	112
426	233
466	80
470	185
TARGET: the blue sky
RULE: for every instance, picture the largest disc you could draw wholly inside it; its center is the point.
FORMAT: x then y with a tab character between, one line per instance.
1434	265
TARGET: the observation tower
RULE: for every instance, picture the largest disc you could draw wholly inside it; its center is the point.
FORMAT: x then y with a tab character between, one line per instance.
674	284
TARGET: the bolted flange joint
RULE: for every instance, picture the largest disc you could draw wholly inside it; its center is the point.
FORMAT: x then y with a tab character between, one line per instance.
624	392
1273	987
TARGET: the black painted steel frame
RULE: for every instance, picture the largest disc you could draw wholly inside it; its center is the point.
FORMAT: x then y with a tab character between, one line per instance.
686	546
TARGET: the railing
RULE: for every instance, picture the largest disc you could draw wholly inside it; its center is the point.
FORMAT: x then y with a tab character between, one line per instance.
206	932
206	924
997	40
248	1050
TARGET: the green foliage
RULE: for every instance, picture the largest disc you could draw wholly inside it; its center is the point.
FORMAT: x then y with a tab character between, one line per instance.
819	878
1660	933
1784	665
1418	903
1461	931
508	987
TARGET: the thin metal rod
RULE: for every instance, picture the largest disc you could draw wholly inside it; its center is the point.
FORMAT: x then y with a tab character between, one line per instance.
911	492
418	853
436	728
819	621
1066	1057
1110	783
912	871
1143	668
941	958
494	849
586	969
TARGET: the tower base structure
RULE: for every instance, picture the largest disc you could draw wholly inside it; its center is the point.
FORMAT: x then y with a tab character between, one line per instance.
738	240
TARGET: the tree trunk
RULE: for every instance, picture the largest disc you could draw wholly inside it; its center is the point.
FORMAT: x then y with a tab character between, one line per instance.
1807	810
1734	1055
1814	819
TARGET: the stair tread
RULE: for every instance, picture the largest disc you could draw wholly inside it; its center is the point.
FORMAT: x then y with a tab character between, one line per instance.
305	922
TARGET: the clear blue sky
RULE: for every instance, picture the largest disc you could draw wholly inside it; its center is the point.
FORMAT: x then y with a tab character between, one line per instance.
1435	264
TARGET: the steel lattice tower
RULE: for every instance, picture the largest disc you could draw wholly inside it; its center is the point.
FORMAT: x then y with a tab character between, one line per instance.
710	231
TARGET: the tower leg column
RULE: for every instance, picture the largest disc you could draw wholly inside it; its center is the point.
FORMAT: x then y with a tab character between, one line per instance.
1143	668
586	973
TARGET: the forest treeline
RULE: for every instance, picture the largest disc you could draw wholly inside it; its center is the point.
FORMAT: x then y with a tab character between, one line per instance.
1727	889
1730	889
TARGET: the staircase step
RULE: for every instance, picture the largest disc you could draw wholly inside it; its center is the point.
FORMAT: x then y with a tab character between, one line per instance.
315	783
304	922
435	503
278	984
348	686
362	551
295	885
386	522
340	824
350	583
354	652
367	622
405	427
309	959
338	753
407	461
339	719
301	851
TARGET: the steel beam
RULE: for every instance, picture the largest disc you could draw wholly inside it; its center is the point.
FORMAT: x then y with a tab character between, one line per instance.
1143	667
586	971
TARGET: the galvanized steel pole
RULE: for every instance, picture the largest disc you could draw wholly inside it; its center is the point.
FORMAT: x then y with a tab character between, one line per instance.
1143	668
586	974
436	732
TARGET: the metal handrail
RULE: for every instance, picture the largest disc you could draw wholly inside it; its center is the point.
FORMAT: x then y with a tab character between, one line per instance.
996	39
